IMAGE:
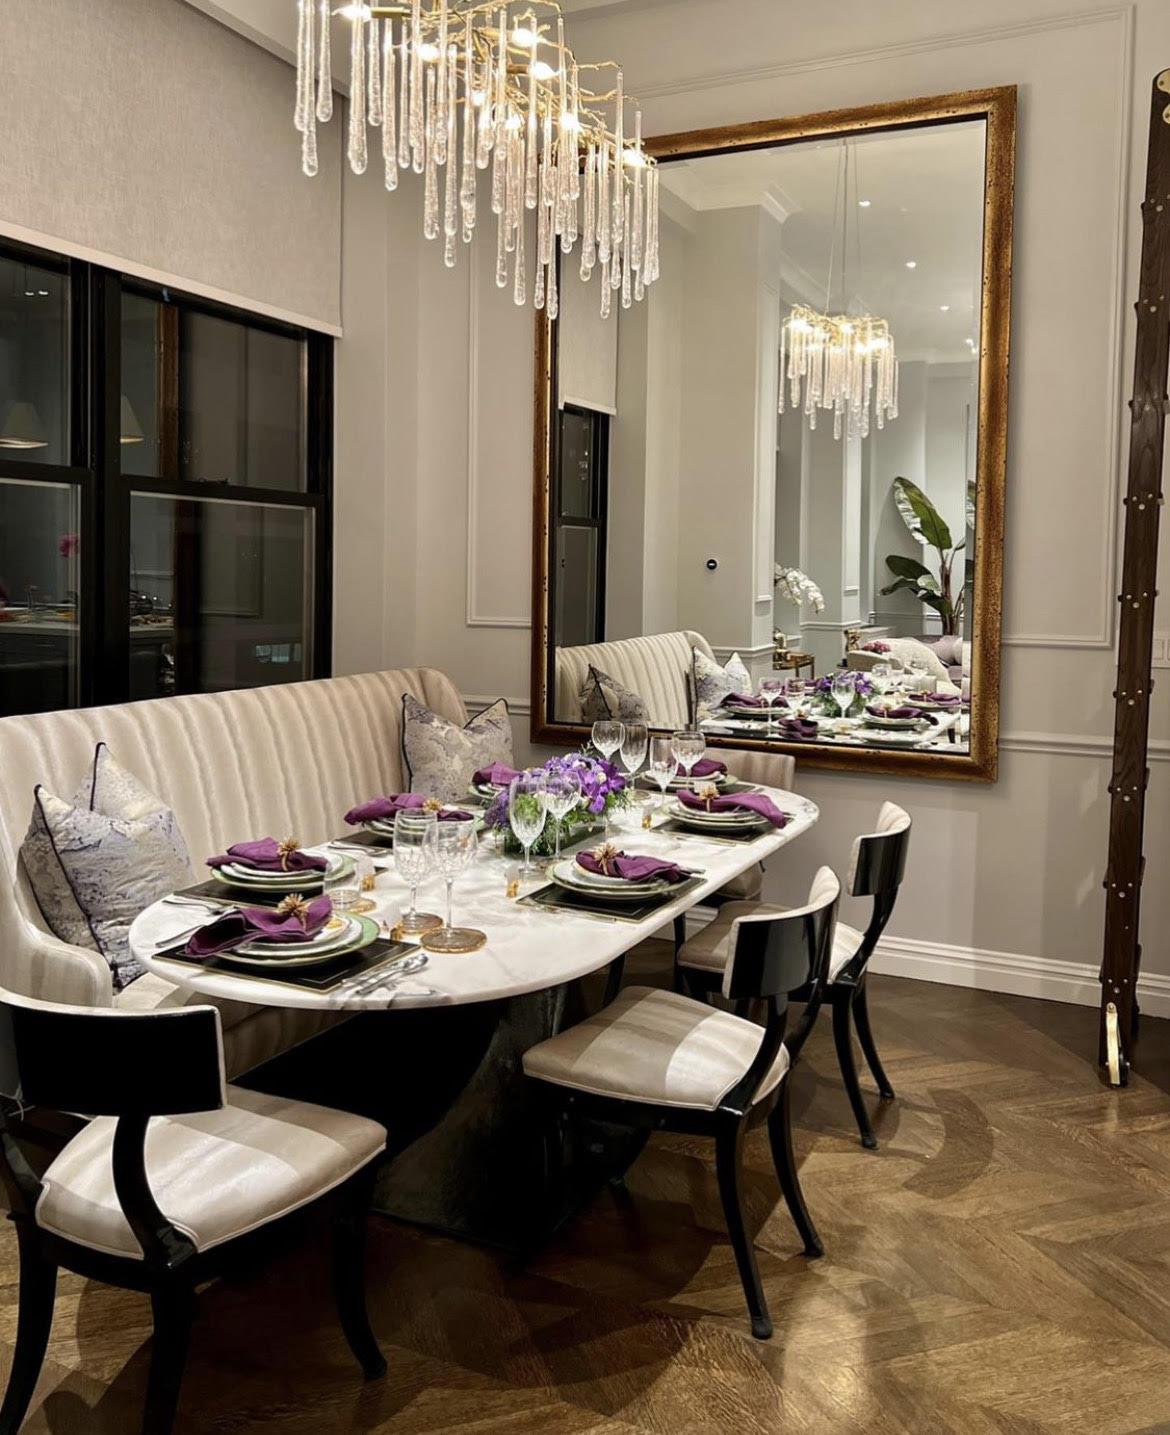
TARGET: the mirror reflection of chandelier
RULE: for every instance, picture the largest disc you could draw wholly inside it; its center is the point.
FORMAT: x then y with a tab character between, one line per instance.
845	362
434	75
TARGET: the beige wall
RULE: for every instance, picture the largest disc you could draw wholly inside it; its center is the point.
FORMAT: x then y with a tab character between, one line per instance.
1005	884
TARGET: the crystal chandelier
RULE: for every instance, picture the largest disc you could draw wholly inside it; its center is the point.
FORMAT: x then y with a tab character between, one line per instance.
431	77
846	362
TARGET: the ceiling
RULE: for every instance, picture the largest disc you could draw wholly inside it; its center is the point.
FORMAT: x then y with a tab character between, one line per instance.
925	193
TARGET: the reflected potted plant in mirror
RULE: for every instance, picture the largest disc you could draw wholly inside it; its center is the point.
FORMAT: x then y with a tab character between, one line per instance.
603	791
928	528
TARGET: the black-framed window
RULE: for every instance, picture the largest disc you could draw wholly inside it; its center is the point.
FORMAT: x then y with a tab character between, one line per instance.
579	514
165	490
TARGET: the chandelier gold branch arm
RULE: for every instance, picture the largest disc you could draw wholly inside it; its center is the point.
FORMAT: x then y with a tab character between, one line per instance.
492	89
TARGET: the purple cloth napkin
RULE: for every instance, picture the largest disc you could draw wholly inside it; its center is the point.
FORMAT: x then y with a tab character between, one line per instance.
742	700
498	775
758	802
905	711
798	729
633	869
265	856
946	700
234	928
383	809
705	767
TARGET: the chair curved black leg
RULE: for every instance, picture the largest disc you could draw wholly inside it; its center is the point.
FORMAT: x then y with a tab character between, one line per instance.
38	1289
843	1036
174	1312
784	1159
868	1047
728	1165
349	1274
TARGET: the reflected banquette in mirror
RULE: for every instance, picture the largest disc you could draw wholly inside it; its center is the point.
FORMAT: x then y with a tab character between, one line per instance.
769	497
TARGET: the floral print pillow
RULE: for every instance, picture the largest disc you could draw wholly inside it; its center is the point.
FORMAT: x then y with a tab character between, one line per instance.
441	757
604	697
712	683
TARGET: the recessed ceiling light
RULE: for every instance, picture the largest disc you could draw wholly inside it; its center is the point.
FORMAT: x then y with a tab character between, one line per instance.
863	203
912	264
944	307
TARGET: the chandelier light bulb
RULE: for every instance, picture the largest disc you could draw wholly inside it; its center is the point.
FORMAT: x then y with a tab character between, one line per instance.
524	37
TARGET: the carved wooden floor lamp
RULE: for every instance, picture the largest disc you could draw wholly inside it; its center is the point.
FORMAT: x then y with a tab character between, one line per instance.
1143	500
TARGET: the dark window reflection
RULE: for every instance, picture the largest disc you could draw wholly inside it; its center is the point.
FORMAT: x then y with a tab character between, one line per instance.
578	470
219	595
40	564
34	363
579	524
209	400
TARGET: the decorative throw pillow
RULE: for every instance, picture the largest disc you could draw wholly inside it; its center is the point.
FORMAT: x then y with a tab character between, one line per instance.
712	683
604	697
441	757
96	861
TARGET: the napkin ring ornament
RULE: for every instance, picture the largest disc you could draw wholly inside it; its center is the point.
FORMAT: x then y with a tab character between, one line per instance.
294	906
708	792
432	804
288	847
604	855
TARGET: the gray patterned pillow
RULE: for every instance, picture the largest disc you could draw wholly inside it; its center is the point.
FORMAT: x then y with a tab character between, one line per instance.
604	697
441	757
713	683
96	861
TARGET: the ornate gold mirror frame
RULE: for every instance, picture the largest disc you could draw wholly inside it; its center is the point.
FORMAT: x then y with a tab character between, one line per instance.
998	108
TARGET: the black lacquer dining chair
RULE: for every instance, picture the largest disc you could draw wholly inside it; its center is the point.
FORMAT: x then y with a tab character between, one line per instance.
656	1060
876	868
176	1180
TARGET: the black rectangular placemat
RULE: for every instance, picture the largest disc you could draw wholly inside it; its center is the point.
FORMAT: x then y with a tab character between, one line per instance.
733	784
244	896
315	979
557	899
365	838
751	835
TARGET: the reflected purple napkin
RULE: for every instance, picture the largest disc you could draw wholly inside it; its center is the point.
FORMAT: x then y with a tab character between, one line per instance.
742	700
705	767
266	856
942	700
234	928
758	802
905	711
797	729
386	809
633	869
498	775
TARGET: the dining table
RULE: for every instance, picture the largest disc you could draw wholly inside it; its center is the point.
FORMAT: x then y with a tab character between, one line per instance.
436	1051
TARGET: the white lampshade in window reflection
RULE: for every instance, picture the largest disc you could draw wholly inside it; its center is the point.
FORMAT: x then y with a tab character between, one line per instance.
131	429
22	427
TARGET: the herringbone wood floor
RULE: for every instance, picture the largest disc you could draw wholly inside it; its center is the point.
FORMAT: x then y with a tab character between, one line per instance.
1000	1267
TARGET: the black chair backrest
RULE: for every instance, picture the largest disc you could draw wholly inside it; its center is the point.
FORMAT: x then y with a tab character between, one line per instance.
878	862
111	1063
775	954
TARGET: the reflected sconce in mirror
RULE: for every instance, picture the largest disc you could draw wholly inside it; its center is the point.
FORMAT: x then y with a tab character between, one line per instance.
130	427
22	427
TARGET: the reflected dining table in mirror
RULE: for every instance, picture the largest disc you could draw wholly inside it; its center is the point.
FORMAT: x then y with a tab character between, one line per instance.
443	1033
788	460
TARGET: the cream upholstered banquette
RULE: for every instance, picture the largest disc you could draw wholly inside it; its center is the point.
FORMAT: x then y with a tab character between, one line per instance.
277	761
656	667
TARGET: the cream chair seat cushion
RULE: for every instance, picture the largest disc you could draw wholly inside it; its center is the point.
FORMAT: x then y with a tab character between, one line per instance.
707	950
656	1047
214	1175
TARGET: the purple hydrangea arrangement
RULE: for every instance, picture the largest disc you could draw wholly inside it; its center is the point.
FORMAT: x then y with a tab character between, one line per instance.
863	690
603	790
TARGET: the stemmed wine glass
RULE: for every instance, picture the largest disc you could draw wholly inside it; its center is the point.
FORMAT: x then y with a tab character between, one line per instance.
414	858
688	747
844	690
453	845
635	736
772	690
663	765
607	736
560	794
527	813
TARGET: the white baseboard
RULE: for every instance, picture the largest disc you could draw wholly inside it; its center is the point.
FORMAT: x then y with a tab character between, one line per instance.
1012	973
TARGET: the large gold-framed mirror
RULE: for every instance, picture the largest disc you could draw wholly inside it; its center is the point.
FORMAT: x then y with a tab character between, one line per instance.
714	546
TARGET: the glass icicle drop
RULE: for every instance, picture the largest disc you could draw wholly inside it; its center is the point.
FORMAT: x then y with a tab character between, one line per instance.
389	128
325	65
357	152
374	71
431	180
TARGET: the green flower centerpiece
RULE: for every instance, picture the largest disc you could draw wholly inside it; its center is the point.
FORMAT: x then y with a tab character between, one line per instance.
603	791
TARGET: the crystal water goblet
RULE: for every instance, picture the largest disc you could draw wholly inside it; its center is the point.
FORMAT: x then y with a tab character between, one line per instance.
527	814
607	736
663	765
772	690
844	690
688	746
561	793
453	843
414	861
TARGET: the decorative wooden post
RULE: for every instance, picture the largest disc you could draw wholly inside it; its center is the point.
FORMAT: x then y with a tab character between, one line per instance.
1143	500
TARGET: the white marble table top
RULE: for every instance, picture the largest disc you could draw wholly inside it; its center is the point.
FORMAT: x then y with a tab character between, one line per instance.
527	949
